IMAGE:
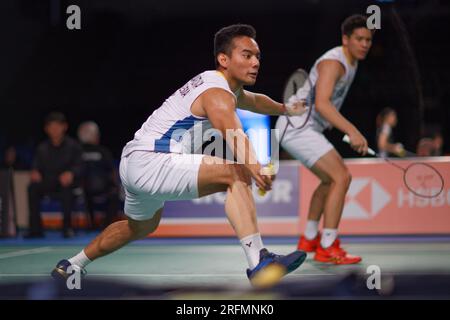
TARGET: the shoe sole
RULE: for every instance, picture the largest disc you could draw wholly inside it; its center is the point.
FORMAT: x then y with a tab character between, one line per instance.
59	275
297	263
272	274
269	276
327	261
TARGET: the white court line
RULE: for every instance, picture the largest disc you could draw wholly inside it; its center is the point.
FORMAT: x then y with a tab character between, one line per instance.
210	275
24	252
154	275
168	221
24	275
190	275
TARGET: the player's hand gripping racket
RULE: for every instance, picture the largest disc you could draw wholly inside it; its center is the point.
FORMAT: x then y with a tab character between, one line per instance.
298	100
298	96
420	178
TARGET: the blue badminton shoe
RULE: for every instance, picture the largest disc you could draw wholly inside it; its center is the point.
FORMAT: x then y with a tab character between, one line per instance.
61	272
272	267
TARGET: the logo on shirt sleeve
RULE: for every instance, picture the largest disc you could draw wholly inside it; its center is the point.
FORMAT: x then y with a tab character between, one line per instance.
194	83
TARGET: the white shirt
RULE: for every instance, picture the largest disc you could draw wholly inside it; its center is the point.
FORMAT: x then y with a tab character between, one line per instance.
171	127
339	92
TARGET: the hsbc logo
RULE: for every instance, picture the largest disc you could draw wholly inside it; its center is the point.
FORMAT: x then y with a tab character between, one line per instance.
365	199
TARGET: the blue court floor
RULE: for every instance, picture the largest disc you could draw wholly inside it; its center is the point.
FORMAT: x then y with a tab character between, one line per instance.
195	265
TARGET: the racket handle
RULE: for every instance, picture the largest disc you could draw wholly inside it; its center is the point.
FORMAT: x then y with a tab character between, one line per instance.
346	139
269	171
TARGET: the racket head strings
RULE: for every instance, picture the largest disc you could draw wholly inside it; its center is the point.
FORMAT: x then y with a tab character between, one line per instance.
423	180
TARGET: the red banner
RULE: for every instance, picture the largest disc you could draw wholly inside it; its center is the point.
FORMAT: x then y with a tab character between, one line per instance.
378	202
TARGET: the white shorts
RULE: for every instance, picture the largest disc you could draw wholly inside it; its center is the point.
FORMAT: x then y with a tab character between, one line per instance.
150	178
306	145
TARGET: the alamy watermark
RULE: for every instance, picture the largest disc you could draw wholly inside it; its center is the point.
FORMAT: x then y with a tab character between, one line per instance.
74	279
237	149
374	280
73	22
374	20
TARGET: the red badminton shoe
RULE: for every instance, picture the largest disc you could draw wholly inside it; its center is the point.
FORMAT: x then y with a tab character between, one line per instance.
335	254
304	244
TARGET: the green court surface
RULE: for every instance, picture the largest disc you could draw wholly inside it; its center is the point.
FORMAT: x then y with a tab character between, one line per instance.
217	265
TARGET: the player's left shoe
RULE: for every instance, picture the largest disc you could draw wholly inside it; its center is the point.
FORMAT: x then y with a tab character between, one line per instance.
304	244
335	254
272	267
61	271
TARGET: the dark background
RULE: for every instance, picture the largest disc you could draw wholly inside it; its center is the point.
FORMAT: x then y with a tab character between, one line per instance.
130	55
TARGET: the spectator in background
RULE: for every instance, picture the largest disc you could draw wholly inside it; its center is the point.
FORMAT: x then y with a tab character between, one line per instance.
438	143
55	171
386	121
430	146
99	174
11	160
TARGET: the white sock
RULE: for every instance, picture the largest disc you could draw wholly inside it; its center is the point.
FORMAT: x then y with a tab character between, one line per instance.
312	228
80	260
328	237
252	244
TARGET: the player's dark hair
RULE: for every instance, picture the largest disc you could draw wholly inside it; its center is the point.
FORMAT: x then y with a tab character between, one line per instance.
436	134
353	22
55	117
382	116
223	39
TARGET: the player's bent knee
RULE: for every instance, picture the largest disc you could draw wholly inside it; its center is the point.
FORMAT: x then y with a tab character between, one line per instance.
237	172
324	187
231	174
141	229
346	178
342	178
219	178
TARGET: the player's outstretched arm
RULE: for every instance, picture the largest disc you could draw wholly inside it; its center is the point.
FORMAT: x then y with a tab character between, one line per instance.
329	72
219	106
260	103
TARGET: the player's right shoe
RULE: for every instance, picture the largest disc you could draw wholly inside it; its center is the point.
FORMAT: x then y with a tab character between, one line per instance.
335	254
272	267
304	244
61	271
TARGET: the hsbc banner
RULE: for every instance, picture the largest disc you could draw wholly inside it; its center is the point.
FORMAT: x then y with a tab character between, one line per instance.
379	203
277	211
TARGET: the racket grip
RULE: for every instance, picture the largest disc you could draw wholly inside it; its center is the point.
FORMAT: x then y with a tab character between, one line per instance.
268	171
346	139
